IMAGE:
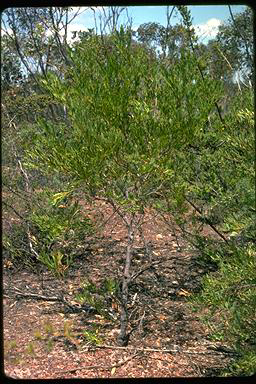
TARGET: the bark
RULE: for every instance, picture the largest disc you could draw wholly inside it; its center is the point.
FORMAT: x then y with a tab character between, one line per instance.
123	337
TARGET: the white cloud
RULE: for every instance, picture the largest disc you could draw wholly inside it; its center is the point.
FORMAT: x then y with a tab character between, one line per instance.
86	19
72	27
75	27
135	27
209	29
6	31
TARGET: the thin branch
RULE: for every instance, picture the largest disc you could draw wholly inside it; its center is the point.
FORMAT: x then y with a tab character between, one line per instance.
207	221
17	193
107	367
35	43
61	46
224	57
34	296
16	212
18	48
77	13
189	32
102	225
216	349
151	265
114	206
25	175
249	58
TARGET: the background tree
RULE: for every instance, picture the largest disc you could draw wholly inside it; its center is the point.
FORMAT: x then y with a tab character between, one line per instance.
236	41
34	43
231	52
218	184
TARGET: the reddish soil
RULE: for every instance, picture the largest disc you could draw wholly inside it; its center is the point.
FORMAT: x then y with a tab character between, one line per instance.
45	339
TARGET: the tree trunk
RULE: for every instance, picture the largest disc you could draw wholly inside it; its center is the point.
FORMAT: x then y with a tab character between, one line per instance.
123	337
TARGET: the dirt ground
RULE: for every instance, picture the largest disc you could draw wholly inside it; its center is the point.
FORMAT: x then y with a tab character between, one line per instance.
45	338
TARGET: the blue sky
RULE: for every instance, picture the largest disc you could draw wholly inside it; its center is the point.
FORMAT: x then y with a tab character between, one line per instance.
206	18
200	14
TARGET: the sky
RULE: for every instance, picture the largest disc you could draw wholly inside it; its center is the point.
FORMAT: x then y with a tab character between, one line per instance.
206	18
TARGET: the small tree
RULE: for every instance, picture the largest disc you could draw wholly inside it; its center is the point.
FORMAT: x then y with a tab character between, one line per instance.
129	114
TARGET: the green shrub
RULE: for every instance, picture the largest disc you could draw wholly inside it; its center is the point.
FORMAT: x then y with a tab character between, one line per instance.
100	297
54	229
230	296
243	366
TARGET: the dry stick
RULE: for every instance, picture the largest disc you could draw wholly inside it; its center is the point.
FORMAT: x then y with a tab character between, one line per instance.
170	350
100	366
224	57
35	296
55	298
207	221
30	244
18	193
28	190
151	265
16	212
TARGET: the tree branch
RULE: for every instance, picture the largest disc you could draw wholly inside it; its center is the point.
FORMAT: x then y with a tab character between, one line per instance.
107	367
249	58
218	349
207	221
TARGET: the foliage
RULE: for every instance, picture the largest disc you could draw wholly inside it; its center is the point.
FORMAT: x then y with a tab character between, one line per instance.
56	232
126	130
236	41
244	366
11	72
151	34
15	246
34	37
100	297
110	152
230	296
92	336
218	184
55	228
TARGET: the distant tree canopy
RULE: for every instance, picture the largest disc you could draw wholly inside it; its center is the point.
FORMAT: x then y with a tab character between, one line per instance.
235	39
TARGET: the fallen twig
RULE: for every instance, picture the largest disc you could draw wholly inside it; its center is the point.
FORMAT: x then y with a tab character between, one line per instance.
16	212
60	299
119	364
169	350
151	265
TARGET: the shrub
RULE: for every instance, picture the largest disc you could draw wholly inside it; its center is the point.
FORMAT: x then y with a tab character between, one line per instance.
230	296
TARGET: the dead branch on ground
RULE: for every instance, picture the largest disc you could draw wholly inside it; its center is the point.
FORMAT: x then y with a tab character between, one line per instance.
107	367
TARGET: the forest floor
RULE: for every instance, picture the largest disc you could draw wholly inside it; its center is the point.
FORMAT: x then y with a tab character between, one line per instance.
46	338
